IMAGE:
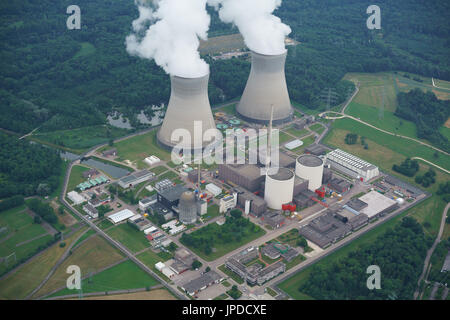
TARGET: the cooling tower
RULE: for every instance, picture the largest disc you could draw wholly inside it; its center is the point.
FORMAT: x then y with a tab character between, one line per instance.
310	167
266	86
279	188
187	208
188	103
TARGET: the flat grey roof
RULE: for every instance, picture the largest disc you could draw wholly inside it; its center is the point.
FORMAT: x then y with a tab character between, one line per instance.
174	193
201	282
310	160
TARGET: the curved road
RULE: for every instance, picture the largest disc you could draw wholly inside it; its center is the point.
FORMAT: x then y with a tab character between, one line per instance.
430	252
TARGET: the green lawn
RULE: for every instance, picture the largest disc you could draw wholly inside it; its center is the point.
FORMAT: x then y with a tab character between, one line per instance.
158	170
168	175
223	296
129	237
272	292
76	177
213	211
105	224
83	138
150	258
317	128
140	147
126	275
20	228
297	133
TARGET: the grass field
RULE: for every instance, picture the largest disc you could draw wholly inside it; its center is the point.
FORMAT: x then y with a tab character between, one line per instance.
158	170
140	147
83	138
158	294
306	142
76	177
213	211
401	146
150	258
126	275
129	237
317	128
297	133
92	256
220	249
19	235
26	278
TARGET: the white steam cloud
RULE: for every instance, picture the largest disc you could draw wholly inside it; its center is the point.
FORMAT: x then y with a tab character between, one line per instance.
263	32
168	31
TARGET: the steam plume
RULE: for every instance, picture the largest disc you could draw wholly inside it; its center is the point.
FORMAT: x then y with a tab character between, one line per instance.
263	32
168	32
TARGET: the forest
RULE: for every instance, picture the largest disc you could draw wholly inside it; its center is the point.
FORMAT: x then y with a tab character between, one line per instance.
27	169
427	112
54	78
399	253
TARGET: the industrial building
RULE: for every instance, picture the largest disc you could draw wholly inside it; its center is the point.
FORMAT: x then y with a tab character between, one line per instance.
159	209
145	203
325	230
255	273
227	203
274	219
170	197
279	188
252	203
135	179
339	185
310	167
351	165
205	280
110	152
247	176
187	208
76	198
316	150
163	185
377	205
188	106
304	199
350	216
120	216
152	160
90	173
91	211
213	189
139	222
266	88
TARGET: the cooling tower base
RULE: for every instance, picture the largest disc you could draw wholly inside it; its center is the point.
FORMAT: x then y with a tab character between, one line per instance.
169	146
275	122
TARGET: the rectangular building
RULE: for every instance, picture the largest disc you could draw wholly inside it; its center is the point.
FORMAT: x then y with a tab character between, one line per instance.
135	179
351	165
247	176
120	216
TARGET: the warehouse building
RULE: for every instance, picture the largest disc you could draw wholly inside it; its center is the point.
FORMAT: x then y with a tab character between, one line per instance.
316	150
353	218
135	179
76	198
274	219
201	283
378	205
351	165
304	199
120	216
325	230
139	222
91	211
252	204
145	203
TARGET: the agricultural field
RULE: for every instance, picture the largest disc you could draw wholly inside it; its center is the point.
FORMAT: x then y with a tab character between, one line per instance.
139	147
20	283
131	238
158	294
82	139
20	235
126	275
92	256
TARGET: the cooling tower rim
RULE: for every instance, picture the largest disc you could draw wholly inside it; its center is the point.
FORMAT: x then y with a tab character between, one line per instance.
270	55
309	160
190	78
283	174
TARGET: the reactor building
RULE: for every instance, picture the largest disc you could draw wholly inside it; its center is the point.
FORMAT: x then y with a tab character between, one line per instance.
279	188
266	87
188	104
187	208
310	167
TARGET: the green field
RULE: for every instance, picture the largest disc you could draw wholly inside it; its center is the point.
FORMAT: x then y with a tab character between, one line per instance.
158	170
306	142
402	146
318	128
140	147
20	230
297	133
81	139
150	258
129	237
87	49
213	211
126	275
76	177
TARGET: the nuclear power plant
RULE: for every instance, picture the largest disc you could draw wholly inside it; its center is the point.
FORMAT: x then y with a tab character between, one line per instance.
189	103
266	87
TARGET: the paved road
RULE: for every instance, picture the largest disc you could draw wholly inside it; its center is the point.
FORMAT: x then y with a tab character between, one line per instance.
431	163
431	250
115	243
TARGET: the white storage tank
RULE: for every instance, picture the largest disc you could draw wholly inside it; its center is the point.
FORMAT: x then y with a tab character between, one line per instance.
310	167
279	188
